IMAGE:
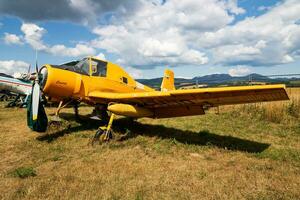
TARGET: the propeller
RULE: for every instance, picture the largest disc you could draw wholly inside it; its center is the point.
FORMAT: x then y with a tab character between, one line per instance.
36	94
36	115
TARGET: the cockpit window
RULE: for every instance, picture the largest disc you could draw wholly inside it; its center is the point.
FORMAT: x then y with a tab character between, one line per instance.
99	68
83	66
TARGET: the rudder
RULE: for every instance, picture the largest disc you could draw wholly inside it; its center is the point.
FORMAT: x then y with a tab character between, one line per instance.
168	81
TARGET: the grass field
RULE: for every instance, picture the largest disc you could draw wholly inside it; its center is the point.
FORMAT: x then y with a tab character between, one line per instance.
240	153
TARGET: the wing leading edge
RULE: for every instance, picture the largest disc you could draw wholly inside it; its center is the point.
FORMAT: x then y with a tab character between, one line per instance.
177	103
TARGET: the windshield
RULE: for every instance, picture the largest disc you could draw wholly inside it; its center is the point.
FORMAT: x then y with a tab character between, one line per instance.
83	66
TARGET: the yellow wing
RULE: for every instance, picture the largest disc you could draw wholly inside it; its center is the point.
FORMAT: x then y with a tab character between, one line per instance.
177	103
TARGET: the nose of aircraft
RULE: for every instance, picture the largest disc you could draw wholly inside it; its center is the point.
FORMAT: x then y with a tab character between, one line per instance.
58	82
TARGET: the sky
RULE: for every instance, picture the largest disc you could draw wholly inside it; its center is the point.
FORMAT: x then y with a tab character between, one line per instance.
191	37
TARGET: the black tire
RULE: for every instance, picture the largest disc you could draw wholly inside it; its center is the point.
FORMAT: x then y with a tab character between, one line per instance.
4	97
97	136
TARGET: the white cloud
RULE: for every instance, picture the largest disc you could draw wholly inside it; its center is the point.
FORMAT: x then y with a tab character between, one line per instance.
33	35
85	8
233	54
163	34
229	51
239	71
287	59
194	57
12	66
12	39
178	33
191	14
155	48
264	8
269	39
101	56
292	41
78	50
233	8
135	73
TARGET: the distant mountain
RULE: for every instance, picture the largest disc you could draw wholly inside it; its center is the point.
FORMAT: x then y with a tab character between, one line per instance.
213	78
156	82
218	79
226	78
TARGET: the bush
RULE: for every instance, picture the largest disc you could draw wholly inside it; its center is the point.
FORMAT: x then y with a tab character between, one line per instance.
24	172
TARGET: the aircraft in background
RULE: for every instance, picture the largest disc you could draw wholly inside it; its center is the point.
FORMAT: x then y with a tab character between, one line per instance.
107	87
19	84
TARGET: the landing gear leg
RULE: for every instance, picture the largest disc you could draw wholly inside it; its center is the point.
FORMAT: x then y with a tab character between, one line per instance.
76	111
59	108
24	103
56	117
104	133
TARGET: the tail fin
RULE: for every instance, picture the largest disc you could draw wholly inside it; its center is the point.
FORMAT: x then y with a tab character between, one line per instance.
168	81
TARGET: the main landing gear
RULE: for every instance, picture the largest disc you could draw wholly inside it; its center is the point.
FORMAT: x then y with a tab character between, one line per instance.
55	120
104	133
62	105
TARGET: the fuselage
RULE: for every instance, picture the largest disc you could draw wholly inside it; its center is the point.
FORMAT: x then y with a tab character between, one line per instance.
15	85
89	75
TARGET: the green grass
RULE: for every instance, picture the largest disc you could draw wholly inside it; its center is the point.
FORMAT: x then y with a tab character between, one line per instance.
23	172
227	156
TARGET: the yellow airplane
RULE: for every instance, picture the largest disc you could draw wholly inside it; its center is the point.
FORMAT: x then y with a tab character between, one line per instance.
107	87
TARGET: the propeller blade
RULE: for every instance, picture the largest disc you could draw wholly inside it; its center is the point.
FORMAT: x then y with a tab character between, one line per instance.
29	68
36	65
36	92
37	71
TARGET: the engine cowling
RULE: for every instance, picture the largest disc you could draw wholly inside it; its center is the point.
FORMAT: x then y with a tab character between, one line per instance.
59	82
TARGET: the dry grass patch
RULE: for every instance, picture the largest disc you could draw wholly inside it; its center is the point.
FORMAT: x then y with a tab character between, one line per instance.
278	112
225	156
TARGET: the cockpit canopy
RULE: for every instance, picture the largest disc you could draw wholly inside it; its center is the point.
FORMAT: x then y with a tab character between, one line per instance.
86	66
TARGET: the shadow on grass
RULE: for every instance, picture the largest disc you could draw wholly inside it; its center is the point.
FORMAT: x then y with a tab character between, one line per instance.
203	138
134	129
82	124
